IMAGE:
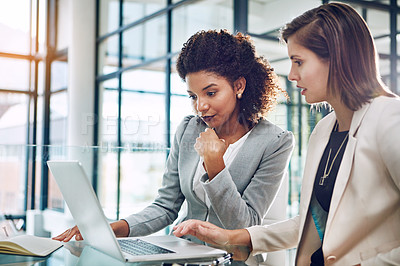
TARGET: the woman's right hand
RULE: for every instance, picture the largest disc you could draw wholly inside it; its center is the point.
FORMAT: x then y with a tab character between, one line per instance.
211	149
120	229
69	234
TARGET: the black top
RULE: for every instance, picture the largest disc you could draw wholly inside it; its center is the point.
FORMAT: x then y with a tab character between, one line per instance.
323	187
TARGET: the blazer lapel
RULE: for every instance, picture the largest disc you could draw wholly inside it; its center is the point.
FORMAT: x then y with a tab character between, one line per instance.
239	167
318	141
347	163
190	156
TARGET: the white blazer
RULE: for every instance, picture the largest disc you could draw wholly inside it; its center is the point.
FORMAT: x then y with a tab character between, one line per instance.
363	225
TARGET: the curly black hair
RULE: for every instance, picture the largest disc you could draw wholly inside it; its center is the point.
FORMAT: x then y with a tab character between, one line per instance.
233	56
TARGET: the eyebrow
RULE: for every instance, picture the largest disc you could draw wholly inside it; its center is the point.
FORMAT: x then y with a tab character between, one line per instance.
294	57
203	89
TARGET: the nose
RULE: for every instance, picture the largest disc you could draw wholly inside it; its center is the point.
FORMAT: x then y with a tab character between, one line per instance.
293	75
202	105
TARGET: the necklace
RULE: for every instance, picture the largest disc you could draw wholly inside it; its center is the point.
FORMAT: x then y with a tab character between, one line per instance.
326	174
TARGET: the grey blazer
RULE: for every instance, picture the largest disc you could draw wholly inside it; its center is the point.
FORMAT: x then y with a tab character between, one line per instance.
240	196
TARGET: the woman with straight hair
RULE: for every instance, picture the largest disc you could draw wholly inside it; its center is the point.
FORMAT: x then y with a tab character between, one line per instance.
349	207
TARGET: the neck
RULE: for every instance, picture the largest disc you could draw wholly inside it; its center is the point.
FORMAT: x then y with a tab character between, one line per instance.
233	133
343	115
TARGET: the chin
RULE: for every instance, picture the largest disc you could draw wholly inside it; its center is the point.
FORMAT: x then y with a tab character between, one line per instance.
311	101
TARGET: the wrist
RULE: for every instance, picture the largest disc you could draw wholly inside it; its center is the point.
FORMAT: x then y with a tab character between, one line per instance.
213	166
120	228
239	237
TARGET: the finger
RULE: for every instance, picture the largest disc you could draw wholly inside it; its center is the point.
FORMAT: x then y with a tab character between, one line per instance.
68	237
62	236
184	229
177	229
211	132
191	228
177	233
225	144
59	237
79	237
72	232
197	145
202	231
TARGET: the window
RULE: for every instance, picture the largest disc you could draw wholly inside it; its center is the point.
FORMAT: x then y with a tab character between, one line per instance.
26	88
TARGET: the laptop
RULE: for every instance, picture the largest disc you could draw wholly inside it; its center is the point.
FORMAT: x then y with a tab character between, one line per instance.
96	231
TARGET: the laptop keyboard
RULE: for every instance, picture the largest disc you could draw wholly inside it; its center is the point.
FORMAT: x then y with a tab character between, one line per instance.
139	247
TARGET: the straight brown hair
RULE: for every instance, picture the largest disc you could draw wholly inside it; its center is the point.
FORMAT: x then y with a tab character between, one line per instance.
337	33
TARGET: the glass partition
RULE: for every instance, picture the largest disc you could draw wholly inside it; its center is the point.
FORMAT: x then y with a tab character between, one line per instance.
16	28
144	42
200	15
125	186
135	10
14	74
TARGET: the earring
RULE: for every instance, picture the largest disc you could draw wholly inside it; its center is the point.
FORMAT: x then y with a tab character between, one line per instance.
239	96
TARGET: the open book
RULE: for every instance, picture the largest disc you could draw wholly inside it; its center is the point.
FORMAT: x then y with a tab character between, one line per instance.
29	245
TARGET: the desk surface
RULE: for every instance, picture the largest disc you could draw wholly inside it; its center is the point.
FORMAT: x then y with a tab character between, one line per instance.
76	253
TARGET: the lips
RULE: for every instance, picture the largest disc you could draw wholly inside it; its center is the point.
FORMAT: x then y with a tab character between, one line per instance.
207	118
303	90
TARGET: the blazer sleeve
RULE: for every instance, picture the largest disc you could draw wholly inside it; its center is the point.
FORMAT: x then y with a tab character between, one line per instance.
389	258
388	132
274	237
164	210
239	211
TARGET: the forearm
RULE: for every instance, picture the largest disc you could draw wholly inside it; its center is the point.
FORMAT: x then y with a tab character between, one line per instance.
390	258
235	210
151	219
230	209
274	237
241	195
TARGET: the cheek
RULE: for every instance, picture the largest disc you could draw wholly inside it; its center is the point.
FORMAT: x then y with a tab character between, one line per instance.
194	106
320	79
312	76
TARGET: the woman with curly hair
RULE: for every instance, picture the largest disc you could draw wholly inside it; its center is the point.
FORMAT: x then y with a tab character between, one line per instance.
228	161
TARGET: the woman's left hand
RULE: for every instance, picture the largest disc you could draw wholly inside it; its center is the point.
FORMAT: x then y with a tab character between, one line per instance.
204	231
212	149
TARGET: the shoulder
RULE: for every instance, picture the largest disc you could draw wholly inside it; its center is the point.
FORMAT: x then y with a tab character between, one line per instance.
189	119
381	110
385	102
271	132
384	112
268	128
